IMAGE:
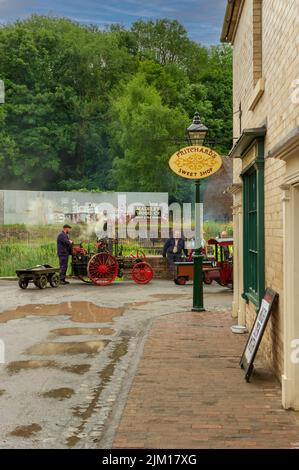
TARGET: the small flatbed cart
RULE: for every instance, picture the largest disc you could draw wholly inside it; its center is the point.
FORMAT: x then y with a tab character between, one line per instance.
218	268
40	275
184	271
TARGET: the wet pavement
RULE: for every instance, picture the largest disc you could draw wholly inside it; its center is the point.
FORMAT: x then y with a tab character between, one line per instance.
71	355
189	392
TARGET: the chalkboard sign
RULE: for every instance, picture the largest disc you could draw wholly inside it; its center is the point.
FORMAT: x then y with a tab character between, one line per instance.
257	331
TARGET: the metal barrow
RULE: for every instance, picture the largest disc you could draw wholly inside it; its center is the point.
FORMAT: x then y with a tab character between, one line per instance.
40	276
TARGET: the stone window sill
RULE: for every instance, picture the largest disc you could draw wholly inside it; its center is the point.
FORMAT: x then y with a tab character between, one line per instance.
257	93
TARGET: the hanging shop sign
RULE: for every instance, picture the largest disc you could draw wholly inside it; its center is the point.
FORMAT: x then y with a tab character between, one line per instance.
148	212
257	331
195	162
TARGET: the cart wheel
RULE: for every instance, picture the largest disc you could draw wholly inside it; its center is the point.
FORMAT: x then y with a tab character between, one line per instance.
180	281
207	279
85	279
142	273
54	280
23	283
102	269
42	282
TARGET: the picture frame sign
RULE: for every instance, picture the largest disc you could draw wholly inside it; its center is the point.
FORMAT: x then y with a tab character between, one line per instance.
255	337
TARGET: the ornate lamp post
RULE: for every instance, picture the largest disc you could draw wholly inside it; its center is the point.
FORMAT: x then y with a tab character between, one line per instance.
196	135
196	162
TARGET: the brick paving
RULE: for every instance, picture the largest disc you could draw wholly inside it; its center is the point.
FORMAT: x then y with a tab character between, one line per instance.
189	391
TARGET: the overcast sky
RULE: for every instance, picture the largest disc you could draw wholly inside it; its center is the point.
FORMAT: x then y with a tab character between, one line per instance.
202	18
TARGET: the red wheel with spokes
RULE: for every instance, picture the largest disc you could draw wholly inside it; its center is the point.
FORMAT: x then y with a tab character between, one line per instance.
102	269
142	273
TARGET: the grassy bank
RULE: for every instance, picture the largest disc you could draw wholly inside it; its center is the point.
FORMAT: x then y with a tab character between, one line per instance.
21	255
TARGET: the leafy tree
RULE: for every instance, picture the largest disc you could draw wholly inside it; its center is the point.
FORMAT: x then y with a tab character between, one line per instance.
58	78
164	41
7	149
218	83
143	133
101	110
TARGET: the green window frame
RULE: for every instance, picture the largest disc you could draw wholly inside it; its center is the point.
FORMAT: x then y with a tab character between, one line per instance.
253	226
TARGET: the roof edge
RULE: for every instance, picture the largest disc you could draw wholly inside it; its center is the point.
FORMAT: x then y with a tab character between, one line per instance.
245	140
231	20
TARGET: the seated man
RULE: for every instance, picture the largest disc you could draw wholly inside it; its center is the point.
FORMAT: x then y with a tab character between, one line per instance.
173	249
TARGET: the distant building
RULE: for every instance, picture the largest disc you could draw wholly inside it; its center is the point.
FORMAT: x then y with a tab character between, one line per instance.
264	35
56	207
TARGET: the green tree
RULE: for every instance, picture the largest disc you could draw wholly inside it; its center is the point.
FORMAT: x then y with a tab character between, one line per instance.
75	118
218	83
58	78
143	128
7	149
164	41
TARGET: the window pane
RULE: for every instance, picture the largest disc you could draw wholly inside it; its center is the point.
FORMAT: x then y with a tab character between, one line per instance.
251	232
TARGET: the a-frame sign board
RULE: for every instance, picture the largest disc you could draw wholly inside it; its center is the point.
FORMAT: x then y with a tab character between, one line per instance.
257	331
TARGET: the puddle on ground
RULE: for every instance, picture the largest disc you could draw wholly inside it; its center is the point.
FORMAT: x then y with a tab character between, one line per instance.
139	303
50	349
82	331
18	366
2	391
26	431
77	368
170	296
59	393
105	375
81	312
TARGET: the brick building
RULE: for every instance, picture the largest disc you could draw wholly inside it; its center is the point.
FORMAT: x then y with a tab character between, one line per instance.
264	35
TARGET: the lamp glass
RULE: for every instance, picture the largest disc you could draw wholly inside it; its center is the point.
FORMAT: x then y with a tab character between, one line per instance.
197	137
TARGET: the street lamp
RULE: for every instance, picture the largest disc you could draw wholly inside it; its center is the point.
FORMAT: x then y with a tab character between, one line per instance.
197	131
196	135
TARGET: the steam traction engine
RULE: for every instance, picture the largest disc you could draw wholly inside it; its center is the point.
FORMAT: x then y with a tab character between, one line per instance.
106	262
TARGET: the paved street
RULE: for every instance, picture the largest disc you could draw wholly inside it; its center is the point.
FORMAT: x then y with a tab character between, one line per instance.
189	392
130	366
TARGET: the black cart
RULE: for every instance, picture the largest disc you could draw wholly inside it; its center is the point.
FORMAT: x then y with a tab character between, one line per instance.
40	276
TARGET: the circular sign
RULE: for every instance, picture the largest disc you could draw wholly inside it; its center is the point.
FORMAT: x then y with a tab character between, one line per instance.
195	163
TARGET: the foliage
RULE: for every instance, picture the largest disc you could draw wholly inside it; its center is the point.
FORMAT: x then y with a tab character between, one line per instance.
142	115
19	255
213	229
97	110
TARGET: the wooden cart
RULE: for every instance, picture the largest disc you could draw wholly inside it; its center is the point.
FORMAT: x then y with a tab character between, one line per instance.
218	267
39	275
184	271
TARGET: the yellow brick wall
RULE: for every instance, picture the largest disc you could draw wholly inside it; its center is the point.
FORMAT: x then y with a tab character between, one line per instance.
257	53
280	67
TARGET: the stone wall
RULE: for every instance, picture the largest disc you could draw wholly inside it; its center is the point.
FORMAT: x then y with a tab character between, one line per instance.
160	267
